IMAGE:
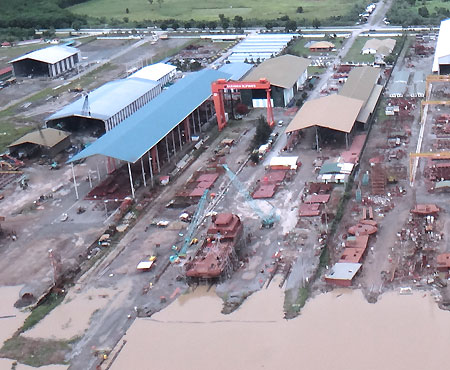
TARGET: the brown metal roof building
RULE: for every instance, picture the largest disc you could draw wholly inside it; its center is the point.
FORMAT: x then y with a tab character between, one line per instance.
47	141
362	84
286	73
335	112
321	46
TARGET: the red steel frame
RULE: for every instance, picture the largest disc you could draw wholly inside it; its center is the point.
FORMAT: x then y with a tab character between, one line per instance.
218	88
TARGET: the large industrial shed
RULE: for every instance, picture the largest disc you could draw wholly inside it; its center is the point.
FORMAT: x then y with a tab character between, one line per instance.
47	141
104	108
286	74
159	72
441	62
362	84
51	62
334	112
160	129
258	47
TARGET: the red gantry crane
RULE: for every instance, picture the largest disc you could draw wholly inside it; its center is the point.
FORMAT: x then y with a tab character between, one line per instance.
220	85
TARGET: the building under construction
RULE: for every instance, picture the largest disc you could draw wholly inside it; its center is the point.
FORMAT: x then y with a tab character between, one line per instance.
216	258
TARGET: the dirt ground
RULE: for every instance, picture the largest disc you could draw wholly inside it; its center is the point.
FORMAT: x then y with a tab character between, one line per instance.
107	298
385	248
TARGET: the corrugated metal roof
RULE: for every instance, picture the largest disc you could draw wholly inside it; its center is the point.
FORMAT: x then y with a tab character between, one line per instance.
5	70
418	77
49	55
398	88
321	45
47	137
252	57
368	108
236	70
402	76
360	83
443	44
108	99
154	71
420	88
335	112
260	46
136	135
283	71
343	271
376	44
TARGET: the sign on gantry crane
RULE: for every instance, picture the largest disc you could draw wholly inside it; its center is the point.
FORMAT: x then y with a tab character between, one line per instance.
220	85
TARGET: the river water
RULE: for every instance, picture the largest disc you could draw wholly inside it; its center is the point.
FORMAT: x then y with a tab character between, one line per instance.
337	330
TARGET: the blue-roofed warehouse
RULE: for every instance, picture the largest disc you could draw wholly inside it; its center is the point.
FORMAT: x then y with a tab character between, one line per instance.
162	127
104	108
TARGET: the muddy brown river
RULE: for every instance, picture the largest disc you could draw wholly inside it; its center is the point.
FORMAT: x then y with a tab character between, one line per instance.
337	330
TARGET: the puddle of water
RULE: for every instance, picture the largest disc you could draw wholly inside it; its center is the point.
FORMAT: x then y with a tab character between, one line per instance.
9	325
337	330
5	364
71	318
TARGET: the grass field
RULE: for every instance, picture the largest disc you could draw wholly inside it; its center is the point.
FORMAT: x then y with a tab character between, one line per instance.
354	54
210	9
298	47
7	54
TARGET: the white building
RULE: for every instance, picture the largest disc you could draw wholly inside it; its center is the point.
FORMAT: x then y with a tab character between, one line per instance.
52	61
441	62
286	74
159	72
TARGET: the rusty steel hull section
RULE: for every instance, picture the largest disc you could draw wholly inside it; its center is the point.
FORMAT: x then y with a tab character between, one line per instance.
216	258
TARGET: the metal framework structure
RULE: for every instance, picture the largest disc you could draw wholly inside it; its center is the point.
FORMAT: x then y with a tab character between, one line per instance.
429	81
220	85
192	227
266	220
412	156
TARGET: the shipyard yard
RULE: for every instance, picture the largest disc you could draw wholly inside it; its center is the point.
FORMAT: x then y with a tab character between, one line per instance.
271	190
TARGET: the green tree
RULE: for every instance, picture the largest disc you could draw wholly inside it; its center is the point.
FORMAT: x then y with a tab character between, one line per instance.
291	25
300	9
212	25
262	133
269	25
150	2
238	21
76	25
423	12
126	19
225	23
389	59
316	23
127	11
160	2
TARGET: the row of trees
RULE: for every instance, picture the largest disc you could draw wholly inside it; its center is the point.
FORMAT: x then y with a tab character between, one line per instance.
27	14
415	12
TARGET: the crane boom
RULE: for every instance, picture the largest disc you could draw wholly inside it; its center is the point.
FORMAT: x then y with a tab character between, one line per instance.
267	220
192	226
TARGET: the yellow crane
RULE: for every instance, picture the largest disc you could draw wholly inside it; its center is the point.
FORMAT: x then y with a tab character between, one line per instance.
435	155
